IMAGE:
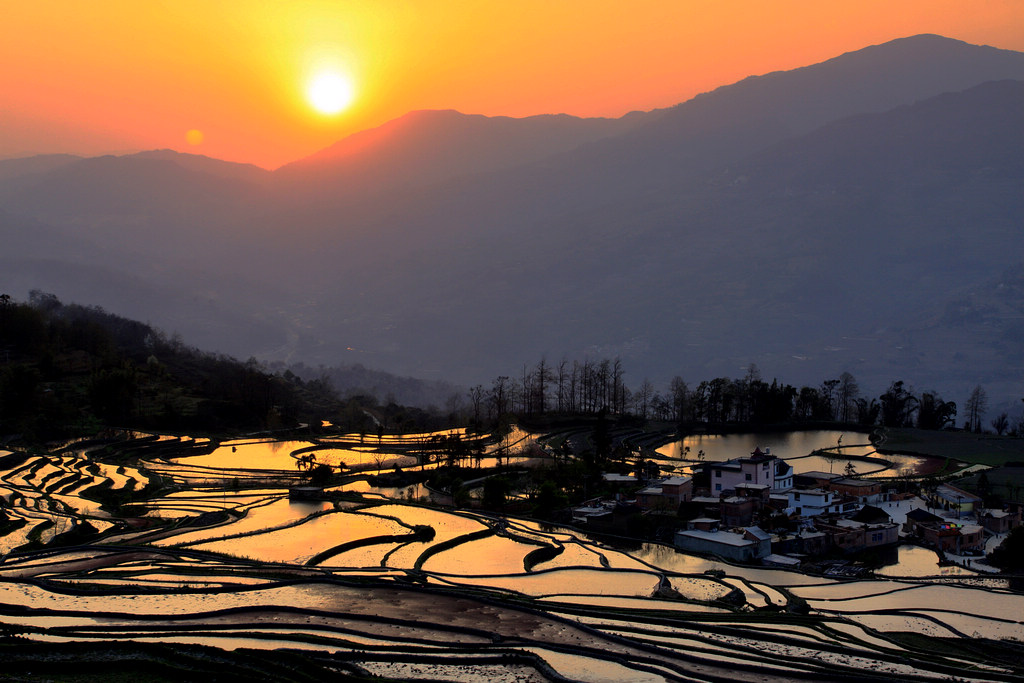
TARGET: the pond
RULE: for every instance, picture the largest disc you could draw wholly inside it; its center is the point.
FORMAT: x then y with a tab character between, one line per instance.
719	447
798	449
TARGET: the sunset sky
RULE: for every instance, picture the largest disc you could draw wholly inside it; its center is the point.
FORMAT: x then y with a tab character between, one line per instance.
229	79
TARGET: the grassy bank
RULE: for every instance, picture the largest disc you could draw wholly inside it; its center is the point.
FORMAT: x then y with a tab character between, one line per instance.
980	449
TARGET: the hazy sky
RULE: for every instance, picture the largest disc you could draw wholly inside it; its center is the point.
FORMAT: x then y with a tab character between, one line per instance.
124	75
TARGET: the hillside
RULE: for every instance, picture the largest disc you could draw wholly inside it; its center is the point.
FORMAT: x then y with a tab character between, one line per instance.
71	370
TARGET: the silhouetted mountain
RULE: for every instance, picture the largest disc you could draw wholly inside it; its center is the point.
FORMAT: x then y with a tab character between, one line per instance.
797	220
204	164
429	147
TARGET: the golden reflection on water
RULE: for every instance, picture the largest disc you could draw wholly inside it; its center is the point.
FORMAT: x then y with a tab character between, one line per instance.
279	513
574	581
298	544
719	447
491	555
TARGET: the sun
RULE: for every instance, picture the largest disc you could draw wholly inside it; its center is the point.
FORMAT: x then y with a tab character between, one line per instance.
329	92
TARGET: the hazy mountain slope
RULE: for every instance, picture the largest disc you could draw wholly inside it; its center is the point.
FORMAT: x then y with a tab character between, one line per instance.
204	164
874	79
777	220
137	204
119	186
821	237
669	151
207	319
16	168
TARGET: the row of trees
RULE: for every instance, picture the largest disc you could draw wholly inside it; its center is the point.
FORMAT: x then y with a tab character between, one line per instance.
586	387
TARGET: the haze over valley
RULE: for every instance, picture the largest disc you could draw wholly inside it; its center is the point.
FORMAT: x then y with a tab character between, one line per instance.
863	214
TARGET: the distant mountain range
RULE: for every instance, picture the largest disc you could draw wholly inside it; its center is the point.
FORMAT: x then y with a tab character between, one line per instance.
862	214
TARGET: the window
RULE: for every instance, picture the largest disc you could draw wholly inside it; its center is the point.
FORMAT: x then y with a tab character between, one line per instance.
718	487
748	476
718	473
875	538
796	496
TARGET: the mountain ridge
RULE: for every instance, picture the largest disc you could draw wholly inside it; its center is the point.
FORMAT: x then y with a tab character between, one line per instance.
665	243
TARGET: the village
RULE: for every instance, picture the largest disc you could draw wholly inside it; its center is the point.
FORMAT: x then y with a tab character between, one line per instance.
755	510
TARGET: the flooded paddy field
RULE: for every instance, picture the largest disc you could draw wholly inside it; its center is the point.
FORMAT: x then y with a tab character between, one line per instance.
205	550
807	451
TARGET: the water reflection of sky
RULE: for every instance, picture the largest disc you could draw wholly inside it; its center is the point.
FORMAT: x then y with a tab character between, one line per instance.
719	447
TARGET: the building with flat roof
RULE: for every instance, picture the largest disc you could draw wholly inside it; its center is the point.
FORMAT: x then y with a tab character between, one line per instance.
814	502
666	495
864	490
957	499
999	521
741	545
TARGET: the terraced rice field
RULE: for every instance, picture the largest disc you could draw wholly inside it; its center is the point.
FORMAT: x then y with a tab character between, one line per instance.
200	546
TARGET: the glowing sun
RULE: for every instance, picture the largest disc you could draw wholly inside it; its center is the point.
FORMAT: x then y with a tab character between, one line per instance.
330	92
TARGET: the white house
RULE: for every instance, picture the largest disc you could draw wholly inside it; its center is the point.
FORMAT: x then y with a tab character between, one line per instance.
813	502
758	468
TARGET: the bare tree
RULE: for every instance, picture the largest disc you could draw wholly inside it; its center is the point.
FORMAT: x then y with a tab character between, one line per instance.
476	398
977	404
828	393
643	398
542	375
680	399
561	377
846	396
499	396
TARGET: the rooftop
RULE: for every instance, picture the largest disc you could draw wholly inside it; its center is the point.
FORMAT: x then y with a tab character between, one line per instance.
850	481
814	474
723	537
922	515
781	560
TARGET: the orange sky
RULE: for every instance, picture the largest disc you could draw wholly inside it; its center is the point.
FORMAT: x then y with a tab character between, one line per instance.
124	75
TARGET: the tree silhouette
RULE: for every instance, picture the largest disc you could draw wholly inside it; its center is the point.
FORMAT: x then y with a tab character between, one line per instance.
934	413
1001	423
977	404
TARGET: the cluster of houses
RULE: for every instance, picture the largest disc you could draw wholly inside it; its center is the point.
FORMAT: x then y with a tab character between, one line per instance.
830	512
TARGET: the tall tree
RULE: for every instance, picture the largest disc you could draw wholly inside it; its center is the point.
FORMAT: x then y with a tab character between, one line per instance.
680	398
643	398
934	413
898	406
828	394
562	379
1001	423
977	404
499	396
867	413
476	398
846	397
